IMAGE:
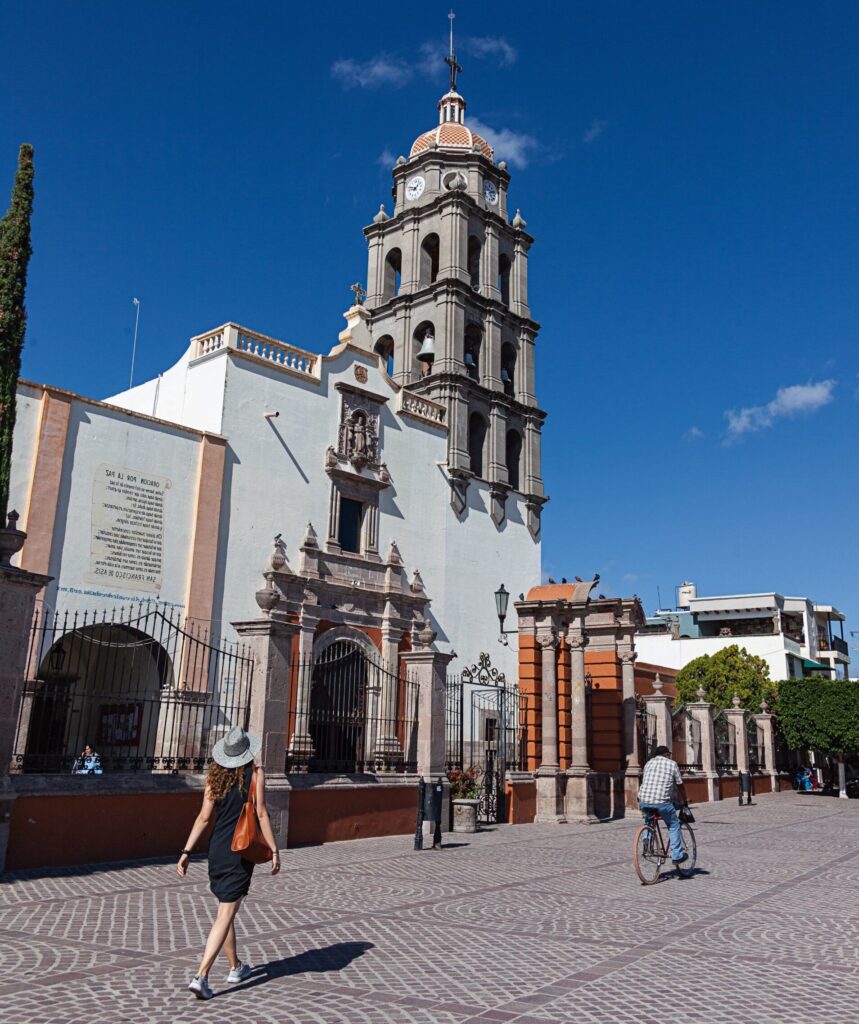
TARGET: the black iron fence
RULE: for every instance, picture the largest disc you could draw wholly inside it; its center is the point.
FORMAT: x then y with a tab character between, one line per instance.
755	743
686	739
135	689
485	731
646	724
725	742
351	713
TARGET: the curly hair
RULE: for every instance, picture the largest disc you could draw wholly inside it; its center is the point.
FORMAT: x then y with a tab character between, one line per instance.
220	780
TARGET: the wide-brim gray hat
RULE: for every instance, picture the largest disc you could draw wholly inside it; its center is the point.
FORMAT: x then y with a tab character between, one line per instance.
236	748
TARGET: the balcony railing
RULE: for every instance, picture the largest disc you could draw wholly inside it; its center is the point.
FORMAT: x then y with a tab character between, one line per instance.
835	644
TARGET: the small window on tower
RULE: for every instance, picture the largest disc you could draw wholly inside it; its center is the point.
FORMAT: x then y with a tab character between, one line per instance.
351	520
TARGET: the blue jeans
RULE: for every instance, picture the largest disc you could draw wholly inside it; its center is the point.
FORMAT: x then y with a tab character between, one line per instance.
669	816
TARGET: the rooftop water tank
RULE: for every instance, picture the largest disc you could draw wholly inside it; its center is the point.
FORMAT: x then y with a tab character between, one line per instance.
686	592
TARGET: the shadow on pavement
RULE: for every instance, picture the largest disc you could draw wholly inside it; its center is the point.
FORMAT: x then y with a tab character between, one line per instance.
318	961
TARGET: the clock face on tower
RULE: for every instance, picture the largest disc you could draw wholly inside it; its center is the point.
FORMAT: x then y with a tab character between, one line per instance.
490	192
415	187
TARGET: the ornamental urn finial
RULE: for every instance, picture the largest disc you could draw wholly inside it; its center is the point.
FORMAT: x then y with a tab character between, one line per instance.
735	700
701	693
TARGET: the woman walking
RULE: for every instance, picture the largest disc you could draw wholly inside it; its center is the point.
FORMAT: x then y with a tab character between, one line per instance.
228	783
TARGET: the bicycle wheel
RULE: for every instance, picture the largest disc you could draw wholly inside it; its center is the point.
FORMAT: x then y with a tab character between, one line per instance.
690	847
647	854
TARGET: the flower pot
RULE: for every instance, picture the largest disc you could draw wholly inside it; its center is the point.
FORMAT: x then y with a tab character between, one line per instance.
465	815
11	540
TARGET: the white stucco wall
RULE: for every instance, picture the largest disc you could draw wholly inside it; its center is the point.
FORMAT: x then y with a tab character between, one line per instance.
28	412
661	649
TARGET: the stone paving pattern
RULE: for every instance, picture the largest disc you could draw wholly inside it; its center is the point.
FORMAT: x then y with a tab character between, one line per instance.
528	924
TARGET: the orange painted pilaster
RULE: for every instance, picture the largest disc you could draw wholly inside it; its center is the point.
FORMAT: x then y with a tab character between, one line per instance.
40	515
204	546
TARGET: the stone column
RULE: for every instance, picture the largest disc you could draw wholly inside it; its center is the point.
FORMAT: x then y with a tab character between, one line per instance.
737	720
632	771
550	807
301	742
497	468
579	797
519	274
524	383
270	643
489	264
388	752
765	731
410	267
18	591
533	460
702	712
428	669
375	265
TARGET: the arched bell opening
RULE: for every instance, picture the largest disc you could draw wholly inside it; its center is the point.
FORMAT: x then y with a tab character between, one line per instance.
423	345
429	260
477	430
384	348
471	353
504	265
474	247
513	458
393	271
508	368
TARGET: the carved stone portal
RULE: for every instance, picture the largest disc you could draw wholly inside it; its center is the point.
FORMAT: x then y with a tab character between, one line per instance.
358	436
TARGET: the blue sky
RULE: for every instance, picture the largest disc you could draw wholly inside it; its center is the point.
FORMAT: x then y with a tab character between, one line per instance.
689	171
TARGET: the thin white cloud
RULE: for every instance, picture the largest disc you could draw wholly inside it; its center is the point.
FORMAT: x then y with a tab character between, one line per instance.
386	159
630	577
514	147
377	71
790	401
596	129
693	434
490	47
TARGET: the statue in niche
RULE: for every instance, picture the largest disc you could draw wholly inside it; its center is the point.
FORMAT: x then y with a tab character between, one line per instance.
359	436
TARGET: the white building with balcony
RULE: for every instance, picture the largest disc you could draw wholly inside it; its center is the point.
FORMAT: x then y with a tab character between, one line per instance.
792	634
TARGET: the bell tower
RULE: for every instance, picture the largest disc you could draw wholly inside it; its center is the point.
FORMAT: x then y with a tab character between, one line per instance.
447	297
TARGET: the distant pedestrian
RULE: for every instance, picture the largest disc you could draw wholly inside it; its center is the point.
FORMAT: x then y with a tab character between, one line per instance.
228	783
89	762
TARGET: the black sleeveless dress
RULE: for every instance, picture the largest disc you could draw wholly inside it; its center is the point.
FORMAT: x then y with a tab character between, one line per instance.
229	873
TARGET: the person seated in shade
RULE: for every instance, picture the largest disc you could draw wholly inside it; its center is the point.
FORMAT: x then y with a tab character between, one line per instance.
89	762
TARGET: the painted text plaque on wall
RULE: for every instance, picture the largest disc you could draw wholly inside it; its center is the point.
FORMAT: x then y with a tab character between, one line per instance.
127	528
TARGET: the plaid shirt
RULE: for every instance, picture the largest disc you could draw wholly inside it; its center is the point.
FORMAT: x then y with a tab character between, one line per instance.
657	783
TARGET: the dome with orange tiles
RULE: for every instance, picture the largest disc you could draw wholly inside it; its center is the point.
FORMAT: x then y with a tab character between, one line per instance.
451	134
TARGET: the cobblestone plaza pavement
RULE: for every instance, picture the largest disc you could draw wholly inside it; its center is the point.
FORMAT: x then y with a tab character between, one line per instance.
531	924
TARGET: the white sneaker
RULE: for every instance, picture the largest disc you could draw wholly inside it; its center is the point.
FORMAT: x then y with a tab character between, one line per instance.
239	973
200	988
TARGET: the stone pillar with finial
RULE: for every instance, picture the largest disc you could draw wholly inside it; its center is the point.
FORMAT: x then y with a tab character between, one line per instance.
737	733
428	669
269	640
702	713
659	705
18	592
766	736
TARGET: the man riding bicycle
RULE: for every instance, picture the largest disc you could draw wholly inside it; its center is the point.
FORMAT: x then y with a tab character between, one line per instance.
662	787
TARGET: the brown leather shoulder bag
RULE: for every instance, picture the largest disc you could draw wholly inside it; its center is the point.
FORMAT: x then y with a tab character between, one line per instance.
248	838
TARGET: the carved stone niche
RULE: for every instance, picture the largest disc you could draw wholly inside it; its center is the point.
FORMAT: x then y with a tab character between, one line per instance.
359	434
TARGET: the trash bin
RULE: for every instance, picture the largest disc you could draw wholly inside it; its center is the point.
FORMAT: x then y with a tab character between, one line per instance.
745	787
433	794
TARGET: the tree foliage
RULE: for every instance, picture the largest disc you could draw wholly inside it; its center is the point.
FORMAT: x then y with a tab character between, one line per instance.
727	672
819	714
15	250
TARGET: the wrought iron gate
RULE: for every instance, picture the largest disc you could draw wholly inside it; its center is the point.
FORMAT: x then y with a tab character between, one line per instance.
139	686
490	712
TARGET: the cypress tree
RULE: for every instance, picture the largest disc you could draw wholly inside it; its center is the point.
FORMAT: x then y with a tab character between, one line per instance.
15	250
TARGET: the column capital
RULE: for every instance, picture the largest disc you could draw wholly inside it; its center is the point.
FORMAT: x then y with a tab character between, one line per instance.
266	627
577	640
627	657
547	638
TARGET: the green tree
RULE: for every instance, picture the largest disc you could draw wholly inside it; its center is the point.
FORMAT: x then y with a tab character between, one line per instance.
819	714
15	250
727	672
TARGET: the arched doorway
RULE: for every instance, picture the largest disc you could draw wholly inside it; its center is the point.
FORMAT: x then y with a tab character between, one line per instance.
337	721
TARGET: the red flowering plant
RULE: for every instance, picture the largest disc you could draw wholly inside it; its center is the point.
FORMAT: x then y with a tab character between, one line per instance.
463	784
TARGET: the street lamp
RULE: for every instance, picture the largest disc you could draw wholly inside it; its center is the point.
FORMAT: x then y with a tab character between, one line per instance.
502	599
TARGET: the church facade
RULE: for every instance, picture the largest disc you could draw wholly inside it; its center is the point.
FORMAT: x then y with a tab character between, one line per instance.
396	480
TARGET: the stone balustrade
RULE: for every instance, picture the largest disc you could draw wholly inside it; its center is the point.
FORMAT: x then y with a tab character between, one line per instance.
250	343
420	408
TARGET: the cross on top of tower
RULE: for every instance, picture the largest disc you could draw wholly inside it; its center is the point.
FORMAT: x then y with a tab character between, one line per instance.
450	60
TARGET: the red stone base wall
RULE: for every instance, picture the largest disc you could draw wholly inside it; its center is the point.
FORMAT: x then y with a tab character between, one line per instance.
363	811
58	831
